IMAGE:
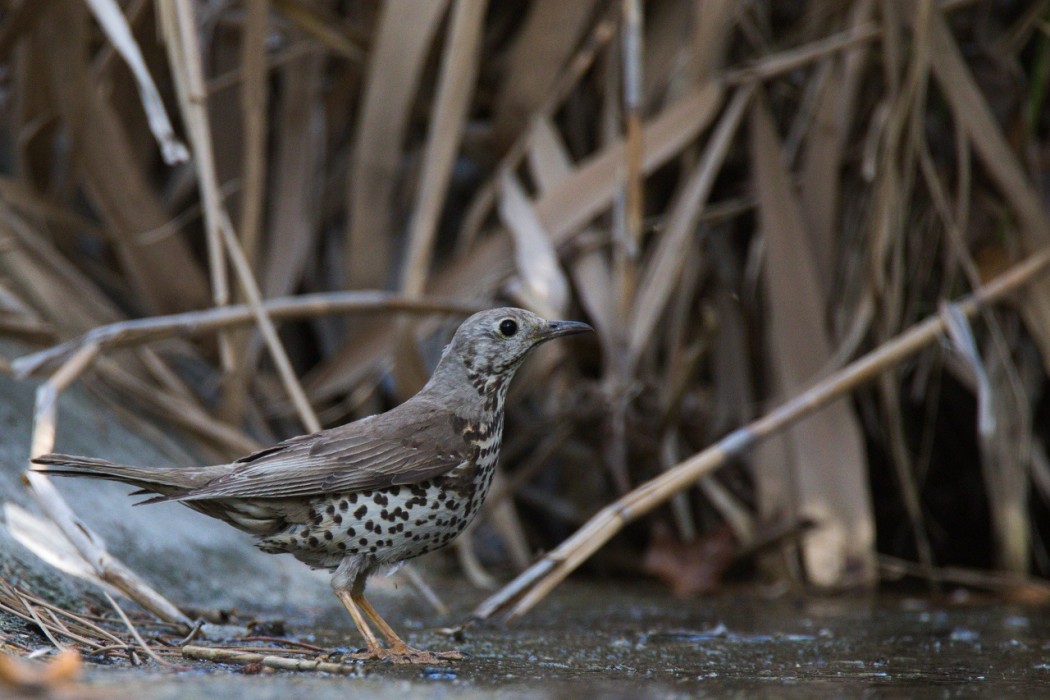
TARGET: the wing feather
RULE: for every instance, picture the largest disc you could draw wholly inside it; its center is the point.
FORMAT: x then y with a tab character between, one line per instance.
405	445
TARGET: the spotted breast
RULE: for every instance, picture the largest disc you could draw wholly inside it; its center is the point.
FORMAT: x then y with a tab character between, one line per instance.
389	525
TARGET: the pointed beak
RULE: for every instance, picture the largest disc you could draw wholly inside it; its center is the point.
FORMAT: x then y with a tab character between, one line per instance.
556	329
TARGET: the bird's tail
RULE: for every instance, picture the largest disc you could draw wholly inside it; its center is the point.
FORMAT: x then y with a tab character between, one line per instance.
169	481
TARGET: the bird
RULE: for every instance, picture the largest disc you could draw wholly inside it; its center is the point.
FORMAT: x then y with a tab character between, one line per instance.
373	493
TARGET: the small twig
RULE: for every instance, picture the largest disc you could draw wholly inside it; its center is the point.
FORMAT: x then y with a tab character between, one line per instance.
40	623
194	632
12	594
429	594
532	585
286	642
987	580
283	663
54	609
61	627
123	646
248	649
134	631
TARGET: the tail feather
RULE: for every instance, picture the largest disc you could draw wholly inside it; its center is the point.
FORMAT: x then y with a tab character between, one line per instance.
170	481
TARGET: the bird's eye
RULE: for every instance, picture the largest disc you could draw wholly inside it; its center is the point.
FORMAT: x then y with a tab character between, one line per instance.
508	327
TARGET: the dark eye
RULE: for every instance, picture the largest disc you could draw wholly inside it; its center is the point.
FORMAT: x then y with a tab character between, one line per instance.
508	327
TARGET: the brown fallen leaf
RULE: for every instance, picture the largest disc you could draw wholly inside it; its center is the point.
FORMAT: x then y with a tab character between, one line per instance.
689	568
40	677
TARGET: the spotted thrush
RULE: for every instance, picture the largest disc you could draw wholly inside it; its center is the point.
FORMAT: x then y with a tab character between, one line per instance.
372	493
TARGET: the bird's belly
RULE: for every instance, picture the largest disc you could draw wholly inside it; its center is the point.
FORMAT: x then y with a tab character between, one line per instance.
386	525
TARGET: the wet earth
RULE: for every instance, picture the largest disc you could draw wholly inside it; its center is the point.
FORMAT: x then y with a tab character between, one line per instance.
593	640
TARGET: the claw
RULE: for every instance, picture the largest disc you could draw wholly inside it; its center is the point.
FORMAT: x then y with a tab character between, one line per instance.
405	654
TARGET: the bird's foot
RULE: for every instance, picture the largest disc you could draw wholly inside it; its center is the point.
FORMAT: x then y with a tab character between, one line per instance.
404	654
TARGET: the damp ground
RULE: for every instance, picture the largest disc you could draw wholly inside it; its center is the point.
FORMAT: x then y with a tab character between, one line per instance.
606	640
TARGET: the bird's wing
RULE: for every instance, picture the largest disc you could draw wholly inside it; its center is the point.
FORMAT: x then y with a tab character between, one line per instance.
397	447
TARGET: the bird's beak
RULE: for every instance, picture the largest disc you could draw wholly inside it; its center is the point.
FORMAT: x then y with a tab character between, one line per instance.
556	329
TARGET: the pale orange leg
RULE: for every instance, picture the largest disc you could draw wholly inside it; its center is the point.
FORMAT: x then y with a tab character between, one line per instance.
399	651
375	649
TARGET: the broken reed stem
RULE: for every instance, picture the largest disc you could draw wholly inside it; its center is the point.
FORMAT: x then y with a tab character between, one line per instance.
116	28
481	206
180	26
533	584
142	330
632	114
88	544
283	663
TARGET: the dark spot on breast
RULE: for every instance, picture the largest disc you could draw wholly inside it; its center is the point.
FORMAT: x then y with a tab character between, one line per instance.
343	505
337	519
380	499
330	509
313	541
328	535
361	512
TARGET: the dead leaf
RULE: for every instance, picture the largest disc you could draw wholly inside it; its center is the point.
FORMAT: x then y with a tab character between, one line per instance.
693	568
39	678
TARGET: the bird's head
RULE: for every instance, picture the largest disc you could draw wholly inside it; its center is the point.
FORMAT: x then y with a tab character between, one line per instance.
491	345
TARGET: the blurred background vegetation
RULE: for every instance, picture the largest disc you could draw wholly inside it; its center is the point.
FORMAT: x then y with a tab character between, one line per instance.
739	196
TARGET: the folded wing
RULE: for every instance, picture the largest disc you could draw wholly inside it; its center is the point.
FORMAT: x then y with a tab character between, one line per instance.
408	444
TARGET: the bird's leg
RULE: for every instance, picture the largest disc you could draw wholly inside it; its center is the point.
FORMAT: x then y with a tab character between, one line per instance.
348	583
375	649
399	651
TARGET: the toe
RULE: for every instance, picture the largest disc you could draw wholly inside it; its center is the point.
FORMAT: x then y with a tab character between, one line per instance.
408	655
